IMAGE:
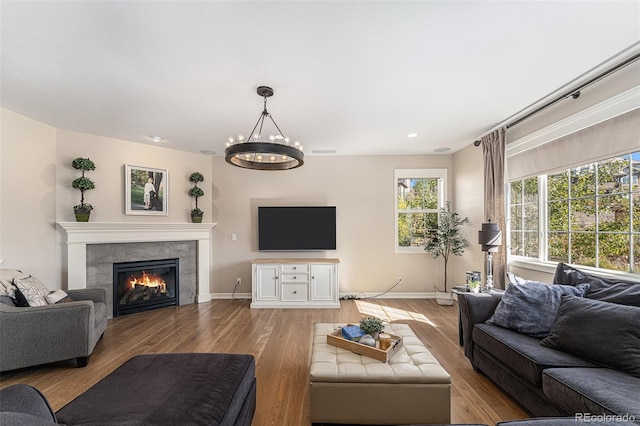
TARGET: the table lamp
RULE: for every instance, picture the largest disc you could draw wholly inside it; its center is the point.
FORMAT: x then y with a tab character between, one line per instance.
490	238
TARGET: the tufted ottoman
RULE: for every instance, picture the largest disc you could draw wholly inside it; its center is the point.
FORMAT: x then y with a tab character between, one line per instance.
354	389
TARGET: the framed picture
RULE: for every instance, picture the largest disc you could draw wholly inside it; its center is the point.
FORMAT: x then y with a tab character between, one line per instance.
146	191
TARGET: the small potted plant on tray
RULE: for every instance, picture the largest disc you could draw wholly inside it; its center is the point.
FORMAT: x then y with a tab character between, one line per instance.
372	326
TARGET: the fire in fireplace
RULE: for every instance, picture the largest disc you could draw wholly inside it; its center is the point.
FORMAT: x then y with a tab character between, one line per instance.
141	286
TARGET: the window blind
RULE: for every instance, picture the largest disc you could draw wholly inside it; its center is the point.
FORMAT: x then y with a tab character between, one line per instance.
615	136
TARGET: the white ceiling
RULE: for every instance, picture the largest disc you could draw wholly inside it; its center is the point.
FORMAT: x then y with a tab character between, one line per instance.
351	76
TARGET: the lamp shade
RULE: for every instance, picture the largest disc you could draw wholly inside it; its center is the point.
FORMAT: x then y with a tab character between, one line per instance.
490	237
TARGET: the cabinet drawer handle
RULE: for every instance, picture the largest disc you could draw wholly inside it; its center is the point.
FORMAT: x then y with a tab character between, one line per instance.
295	292
295	267
294	277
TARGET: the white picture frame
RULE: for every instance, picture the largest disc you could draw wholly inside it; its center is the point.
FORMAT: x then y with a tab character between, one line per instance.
140	199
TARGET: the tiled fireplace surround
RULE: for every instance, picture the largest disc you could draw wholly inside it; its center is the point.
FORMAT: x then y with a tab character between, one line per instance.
93	247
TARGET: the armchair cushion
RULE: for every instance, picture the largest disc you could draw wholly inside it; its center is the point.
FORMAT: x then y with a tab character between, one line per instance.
7	301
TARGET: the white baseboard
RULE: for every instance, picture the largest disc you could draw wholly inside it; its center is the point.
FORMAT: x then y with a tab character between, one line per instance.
395	295
231	296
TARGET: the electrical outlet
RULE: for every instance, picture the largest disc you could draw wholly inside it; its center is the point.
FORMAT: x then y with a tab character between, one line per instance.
399	280
238	281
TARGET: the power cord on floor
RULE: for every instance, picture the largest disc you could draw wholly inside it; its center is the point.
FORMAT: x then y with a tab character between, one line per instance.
356	297
233	294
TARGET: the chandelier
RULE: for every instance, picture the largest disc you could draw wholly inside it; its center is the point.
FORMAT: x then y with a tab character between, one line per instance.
275	152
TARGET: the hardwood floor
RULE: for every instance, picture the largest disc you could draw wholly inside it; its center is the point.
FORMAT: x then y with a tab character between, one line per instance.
280	340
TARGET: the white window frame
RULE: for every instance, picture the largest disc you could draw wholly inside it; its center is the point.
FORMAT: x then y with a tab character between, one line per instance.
542	263
441	175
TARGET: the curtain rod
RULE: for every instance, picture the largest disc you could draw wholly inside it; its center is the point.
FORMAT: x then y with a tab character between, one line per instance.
574	93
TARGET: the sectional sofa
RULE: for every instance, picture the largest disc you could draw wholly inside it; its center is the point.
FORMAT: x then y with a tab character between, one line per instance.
580	358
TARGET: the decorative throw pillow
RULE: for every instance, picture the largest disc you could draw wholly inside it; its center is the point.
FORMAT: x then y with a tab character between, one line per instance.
530	308
6	281
602	332
19	300
513	279
58	296
32	289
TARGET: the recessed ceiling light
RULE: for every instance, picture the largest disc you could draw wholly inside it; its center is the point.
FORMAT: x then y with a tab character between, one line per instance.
443	149
412	135
324	151
207	151
156	138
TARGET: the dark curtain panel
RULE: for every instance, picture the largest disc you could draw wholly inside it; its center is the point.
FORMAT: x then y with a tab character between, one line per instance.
493	152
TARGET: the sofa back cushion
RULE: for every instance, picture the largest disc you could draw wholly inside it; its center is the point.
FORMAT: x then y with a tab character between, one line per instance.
601	332
622	292
530	308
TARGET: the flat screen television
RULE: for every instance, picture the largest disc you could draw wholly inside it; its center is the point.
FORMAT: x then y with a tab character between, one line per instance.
297	228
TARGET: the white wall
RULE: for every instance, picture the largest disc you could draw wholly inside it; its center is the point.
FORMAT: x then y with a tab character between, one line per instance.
469	202
28	196
35	194
36	191
110	157
362	188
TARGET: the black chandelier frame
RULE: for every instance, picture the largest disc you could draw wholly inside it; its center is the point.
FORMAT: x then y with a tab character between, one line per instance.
262	155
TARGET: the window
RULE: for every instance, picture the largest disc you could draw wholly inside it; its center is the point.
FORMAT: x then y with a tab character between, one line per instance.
590	215
524	218
419	198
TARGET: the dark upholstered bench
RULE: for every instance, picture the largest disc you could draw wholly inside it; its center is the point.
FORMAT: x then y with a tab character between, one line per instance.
169	389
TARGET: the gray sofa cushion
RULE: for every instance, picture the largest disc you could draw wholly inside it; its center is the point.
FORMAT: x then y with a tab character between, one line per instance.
593	390
611	290
602	332
7	301
21	419
566	421
522	353
530	308
24	405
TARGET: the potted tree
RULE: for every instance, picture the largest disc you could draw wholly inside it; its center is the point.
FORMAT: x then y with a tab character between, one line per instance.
196	192
445	241
82	183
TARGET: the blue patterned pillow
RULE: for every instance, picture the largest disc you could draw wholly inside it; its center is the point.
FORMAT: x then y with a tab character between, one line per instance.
530	308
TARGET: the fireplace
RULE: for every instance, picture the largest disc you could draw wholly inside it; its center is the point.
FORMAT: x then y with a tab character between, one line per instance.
145	285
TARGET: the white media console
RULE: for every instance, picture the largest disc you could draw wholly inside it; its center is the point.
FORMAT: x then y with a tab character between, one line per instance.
295	283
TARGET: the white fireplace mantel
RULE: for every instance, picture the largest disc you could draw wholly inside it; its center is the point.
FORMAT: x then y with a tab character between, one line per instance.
79	234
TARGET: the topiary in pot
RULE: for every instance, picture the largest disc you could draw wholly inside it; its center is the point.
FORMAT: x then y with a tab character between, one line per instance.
196	192
82	183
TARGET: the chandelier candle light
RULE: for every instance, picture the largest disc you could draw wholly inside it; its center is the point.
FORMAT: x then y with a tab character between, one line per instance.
276	153
490	238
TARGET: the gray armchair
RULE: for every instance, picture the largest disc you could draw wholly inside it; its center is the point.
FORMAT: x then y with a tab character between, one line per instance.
42	334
